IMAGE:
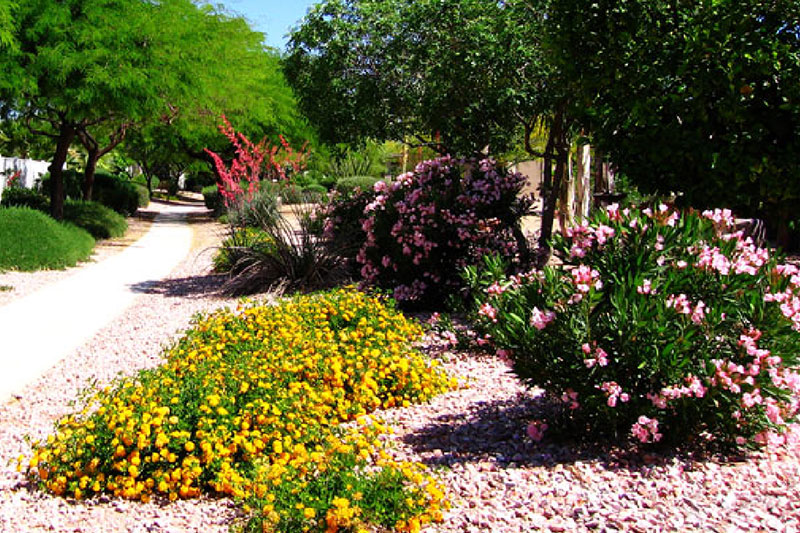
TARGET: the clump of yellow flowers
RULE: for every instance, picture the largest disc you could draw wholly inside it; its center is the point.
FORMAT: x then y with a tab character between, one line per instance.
251	403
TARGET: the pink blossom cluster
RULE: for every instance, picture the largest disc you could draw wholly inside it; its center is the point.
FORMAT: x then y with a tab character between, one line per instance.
585	278
646	430
540	319
683	305
693	388
425	226
646	287
570	397
584	237
722	218
600	356
536	430
488	311
614	393
664	216
789	299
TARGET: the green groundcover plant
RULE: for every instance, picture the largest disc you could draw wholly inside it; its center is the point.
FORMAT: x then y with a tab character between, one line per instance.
659	325
31	240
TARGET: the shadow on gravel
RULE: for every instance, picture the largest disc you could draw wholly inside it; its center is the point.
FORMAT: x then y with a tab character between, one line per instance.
495	432
206	285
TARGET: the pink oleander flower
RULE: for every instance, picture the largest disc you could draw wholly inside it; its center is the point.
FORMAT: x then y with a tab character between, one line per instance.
646	430
571	397
488	311
614	392
495	289
585	278
540	319
645	288
536	430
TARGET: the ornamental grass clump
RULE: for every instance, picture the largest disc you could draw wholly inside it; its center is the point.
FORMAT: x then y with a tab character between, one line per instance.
427	225
659	325
250	403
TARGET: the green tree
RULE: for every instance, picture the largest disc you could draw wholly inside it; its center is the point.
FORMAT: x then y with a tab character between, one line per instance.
699	97
7	8
459	76
91	70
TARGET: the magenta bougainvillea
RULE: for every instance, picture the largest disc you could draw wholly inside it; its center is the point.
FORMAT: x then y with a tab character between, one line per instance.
425	226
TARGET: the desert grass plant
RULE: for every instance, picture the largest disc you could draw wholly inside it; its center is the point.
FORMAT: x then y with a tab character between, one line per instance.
659	325
290	256
267	404
31	240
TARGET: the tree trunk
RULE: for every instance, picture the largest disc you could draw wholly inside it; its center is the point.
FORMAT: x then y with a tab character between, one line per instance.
566	200
551	184
584	182
66	134
92	157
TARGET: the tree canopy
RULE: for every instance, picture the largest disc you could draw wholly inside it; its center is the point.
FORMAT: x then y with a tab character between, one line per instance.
701	98
467	71
93	70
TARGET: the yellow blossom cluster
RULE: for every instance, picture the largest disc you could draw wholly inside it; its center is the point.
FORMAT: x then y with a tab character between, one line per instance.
249	395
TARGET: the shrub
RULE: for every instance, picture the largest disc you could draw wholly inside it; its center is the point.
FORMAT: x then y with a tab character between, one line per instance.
339	223
658	326
235	246
100	221
31	240
353	184
213	199
21	197
259	210
249	404
292	257
428	225
315	191
120	194
143	194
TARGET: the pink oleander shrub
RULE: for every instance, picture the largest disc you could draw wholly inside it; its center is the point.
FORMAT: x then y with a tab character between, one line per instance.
427	225
659	326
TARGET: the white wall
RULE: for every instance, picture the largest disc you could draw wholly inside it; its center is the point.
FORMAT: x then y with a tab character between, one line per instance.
30	171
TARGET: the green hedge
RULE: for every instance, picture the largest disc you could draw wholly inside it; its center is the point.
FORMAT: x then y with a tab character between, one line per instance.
100	221
347	186
120	194
31	240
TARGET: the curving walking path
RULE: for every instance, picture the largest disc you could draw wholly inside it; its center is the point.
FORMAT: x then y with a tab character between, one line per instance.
42	328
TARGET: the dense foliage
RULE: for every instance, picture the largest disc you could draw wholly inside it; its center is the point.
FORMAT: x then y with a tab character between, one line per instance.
697	97
100	221
658	325
428	224
249	404
31	240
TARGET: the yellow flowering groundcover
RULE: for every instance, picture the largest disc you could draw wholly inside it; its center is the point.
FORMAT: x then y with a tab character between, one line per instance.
250	403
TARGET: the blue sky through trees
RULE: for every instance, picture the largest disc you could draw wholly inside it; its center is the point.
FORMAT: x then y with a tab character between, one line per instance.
273	17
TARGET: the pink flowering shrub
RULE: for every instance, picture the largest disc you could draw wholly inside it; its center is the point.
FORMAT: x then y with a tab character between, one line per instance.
658	326
426	226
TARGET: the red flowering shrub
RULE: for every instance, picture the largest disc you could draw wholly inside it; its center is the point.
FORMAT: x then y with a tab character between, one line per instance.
659	325
426	226
254	162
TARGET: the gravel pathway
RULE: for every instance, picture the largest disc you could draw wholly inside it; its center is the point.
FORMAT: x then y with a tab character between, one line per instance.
498	480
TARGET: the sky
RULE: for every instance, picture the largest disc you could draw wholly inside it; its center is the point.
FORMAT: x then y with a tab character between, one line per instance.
273	17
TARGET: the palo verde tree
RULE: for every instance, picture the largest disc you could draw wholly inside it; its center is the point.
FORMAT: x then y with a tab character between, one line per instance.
87	70
700	98
249	89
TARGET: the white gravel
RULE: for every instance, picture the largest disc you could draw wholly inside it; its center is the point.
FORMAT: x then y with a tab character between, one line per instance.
498	480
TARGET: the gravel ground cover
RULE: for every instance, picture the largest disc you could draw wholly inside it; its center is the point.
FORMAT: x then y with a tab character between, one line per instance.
498	479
